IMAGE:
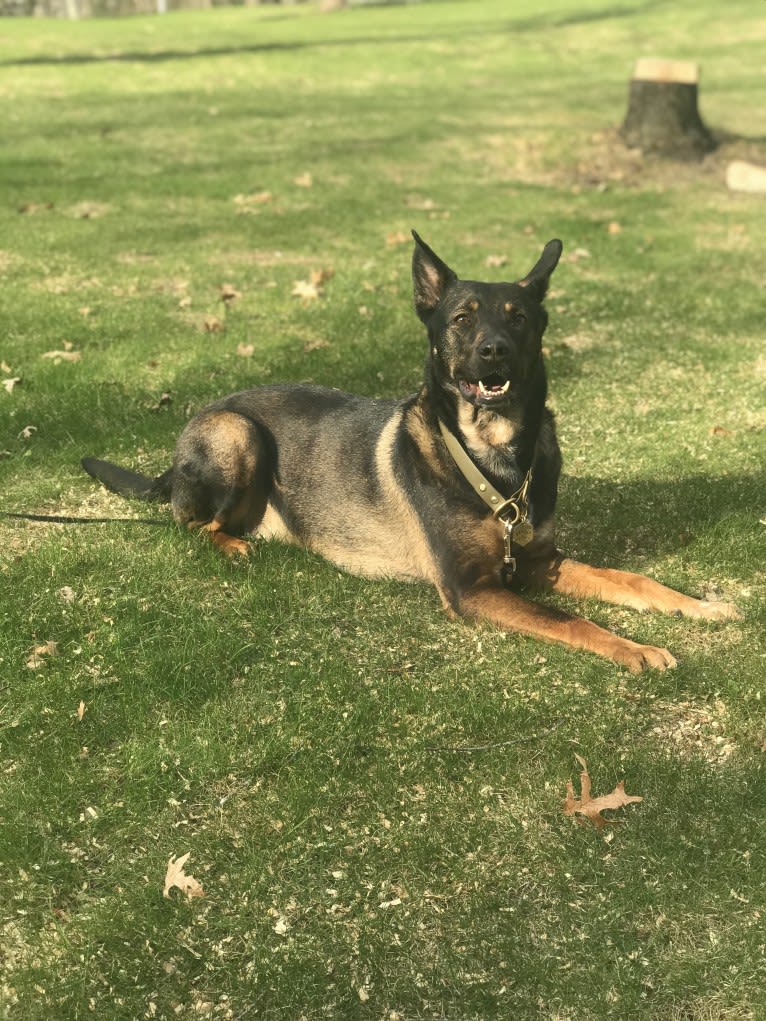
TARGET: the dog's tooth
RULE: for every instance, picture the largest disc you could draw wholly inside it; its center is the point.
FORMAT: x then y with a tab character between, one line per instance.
495	390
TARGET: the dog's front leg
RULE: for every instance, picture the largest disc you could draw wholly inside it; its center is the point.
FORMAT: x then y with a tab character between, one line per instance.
570	577
492	602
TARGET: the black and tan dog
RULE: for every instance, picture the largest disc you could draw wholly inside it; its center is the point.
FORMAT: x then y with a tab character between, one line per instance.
455	485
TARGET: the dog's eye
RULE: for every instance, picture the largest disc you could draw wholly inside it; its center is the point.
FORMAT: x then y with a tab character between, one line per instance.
460	319
517	318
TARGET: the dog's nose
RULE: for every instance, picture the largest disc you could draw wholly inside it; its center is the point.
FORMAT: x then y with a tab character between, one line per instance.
493	350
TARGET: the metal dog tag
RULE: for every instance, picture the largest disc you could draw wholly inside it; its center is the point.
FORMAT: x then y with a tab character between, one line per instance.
523	533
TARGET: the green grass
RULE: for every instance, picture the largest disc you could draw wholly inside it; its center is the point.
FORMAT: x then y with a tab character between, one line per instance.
299	731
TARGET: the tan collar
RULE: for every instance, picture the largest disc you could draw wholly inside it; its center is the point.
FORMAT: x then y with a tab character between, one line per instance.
508	509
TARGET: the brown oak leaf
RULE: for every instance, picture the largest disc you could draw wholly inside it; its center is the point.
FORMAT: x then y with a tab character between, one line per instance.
39	654
212	324
176	877
63	356
305	289
229	293
319	277
591	808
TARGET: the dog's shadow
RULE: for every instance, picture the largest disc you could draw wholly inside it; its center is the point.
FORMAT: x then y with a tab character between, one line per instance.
606	521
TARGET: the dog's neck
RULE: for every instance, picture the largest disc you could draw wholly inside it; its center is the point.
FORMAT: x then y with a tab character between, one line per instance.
501	446
489	438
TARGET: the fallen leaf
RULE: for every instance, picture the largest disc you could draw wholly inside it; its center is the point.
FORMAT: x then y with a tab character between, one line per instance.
26	432
315	345
304	180
66	355
164	401
40	653
35	207
397	237
614	228
319	277
251	203
88	210
306	290
9	384
80	710
421	204
67	594
245	350
592	808
495	261
5	367
577	341
212	324
718	430
176	877
85	311
577	255
229	293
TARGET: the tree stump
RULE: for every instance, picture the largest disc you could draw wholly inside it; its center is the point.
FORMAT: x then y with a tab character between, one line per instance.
663	118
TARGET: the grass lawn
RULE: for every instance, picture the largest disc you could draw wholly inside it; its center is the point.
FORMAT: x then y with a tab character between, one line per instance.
371	794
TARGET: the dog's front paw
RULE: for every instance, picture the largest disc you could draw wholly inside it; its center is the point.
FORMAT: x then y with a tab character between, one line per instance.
709	610
638	658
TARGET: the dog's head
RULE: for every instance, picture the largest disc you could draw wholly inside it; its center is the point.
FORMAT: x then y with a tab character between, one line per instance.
485	338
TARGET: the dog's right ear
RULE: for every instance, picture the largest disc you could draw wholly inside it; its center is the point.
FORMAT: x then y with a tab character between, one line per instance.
430	277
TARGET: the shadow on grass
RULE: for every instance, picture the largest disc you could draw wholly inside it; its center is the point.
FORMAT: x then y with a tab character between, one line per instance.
615	520
540	23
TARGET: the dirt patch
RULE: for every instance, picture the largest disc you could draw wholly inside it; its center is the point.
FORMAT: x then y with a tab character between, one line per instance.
605	159
602	161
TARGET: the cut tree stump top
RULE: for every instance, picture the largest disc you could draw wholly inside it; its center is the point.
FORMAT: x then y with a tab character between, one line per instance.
659	69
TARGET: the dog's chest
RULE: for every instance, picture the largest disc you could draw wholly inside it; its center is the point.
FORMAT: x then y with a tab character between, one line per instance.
489	439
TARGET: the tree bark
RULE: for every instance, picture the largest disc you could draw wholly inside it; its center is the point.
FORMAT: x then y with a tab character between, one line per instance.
663	117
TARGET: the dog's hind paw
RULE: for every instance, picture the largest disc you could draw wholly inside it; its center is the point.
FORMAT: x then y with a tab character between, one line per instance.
230	544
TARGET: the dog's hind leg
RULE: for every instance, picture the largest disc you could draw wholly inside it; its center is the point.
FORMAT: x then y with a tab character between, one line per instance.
223	473
560	574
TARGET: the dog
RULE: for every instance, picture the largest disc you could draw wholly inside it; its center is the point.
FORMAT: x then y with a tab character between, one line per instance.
455	485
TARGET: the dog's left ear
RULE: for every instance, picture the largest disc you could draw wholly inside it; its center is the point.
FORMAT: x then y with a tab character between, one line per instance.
430	277
539	276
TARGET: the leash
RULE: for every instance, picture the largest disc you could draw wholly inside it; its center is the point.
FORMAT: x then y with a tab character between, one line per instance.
65	519
511	512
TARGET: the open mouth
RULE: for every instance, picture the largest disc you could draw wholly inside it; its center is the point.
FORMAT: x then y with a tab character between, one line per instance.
490	390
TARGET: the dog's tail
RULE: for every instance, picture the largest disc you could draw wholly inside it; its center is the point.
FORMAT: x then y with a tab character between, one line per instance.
129	483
